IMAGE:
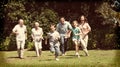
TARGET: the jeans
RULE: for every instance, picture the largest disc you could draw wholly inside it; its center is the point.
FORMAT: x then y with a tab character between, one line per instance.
63	42
54	47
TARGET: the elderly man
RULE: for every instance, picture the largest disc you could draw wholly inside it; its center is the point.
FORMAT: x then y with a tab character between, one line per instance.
37	34
64	28
21	32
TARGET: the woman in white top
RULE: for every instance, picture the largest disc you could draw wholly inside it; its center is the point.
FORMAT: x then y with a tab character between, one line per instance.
37	34
85	29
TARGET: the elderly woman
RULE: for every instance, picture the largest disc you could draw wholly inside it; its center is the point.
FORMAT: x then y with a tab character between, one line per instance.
37	33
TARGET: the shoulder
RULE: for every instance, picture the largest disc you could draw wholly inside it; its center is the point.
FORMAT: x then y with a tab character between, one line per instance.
17	25
66	22
33	29
77	28
58	24
40	28
57	32
24	26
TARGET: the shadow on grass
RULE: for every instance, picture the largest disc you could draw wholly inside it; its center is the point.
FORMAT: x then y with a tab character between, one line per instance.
13	57
47	60
31	56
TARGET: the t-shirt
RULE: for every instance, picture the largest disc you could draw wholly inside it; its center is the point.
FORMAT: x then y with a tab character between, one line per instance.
21	32
63	28
37	34
76	30
53	36
85	28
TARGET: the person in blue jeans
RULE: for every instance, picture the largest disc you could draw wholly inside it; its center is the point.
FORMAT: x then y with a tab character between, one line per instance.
64	28
54	37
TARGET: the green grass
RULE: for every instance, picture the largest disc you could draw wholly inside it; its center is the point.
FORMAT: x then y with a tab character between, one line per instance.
97	58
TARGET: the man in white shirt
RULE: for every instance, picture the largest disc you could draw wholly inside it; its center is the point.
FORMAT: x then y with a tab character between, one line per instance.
37	34
21	34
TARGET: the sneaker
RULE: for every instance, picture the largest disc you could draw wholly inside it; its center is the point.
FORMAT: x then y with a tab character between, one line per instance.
57	59
63	54
87	54
76	54
22	58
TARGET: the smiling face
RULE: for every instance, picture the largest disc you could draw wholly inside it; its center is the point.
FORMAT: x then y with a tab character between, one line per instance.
62	20
75	23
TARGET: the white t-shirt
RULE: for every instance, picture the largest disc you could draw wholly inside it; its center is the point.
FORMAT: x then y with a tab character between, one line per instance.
21	32
37	34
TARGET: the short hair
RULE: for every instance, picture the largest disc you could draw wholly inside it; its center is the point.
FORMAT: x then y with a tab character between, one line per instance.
75	21
62	17
36	23
52	25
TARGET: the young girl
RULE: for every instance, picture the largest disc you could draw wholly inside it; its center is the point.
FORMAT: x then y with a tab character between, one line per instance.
54	37
76	36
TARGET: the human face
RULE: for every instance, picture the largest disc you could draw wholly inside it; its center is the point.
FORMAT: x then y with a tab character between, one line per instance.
36	24
52	27
82	18
21	22
62	20
75	24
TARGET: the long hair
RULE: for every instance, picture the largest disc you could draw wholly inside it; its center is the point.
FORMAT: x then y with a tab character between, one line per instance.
85	21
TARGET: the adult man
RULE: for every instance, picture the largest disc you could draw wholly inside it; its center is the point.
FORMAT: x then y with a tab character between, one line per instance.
64	28
21	34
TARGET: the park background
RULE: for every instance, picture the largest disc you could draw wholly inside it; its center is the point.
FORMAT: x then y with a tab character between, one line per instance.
103	19
103	39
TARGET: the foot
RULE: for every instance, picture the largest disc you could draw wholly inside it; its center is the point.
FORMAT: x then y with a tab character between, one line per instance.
63	54
76	54
21	57
56	59
87	54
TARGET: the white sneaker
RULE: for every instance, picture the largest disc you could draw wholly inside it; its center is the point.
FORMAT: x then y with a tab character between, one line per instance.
77	54
63	54
57	59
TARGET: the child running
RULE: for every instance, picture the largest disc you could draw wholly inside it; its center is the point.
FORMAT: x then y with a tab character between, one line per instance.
54	37
76	36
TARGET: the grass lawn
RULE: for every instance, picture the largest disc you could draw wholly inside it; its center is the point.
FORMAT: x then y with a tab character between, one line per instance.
97	58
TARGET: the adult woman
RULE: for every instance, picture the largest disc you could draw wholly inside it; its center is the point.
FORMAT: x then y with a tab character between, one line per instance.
85	29
37	34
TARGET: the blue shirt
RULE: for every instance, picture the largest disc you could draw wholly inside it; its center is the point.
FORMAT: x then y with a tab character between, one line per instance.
63	28
76	31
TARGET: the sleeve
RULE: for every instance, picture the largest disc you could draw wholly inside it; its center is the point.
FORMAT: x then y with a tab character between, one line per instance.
69	26
14	29
58	35
25	29
32	32
41	32
57	27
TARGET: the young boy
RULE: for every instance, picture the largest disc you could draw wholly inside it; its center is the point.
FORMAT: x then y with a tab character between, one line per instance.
76	36
54	37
